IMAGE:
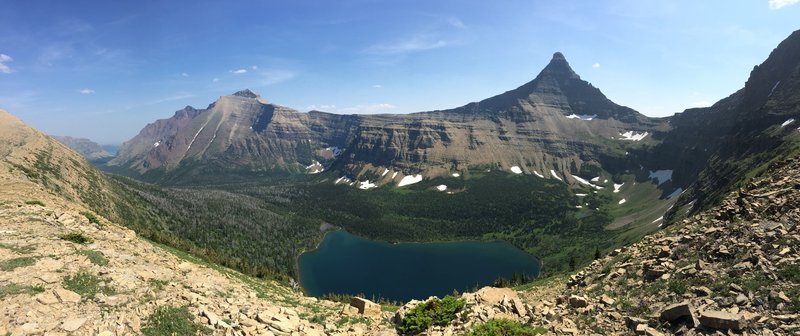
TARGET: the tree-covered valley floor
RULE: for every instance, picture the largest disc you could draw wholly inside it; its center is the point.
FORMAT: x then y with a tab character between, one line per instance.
261	227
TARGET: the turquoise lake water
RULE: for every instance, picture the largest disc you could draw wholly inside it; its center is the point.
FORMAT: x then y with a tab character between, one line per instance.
347	264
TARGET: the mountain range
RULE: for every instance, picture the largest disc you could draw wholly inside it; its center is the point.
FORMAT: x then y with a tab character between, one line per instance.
555	126
553	167
557	122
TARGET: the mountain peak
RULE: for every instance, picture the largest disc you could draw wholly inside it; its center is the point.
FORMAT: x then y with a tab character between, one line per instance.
559	66
246	93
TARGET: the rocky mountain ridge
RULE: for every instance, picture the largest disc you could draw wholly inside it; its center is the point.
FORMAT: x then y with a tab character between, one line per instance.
555	122
88	148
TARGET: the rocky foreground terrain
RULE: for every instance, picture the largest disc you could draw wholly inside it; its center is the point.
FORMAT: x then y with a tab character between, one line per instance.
733	269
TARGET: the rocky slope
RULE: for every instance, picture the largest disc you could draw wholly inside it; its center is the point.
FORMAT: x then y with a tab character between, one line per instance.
67	270
733	269
555	122
89	149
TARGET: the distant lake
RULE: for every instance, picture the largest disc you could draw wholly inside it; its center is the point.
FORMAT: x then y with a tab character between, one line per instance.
347	264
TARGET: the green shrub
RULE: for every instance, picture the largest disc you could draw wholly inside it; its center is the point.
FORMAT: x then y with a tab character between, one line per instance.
157	284
86	285
11	264
18	249
34	202
434	312
503	327
677	285
77	238
95	257
791	273
167	320
14	289
91	217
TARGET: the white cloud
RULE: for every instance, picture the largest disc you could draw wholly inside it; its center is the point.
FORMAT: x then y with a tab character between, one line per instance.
701	103
275	76
86	91
778	4
255	67
456	22
215	80
240	71
596	65
321	107
178	96
357	109
377	86
415	43
183	74
3	60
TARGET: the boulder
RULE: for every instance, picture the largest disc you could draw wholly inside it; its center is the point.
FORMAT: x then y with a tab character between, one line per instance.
677	311
67	296
721	320
212	318
493	295
73	324
46	298
519	307
366	307
578	301
701	291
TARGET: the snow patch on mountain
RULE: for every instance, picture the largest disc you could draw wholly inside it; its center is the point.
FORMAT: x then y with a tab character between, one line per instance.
632	136
554	175
410	179
366	185
585	117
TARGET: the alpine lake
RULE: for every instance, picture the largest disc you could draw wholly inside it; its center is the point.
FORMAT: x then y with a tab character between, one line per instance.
348	264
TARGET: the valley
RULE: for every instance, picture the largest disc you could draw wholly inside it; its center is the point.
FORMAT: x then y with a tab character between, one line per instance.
548	208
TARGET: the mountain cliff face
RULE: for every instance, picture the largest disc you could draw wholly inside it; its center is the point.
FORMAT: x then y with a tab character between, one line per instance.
557	122
237	132
712	148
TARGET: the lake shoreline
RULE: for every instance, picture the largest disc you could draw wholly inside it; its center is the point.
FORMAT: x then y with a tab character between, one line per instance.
377	260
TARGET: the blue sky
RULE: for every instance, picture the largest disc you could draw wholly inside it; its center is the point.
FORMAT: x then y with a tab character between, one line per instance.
104	69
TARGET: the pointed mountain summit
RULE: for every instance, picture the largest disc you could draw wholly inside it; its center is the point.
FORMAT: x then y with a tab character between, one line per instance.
559	67
557	89
246	93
